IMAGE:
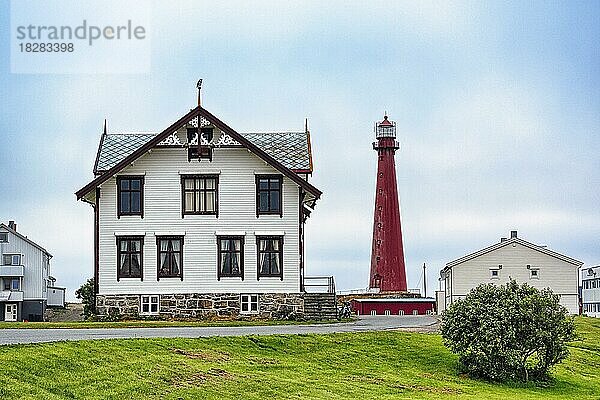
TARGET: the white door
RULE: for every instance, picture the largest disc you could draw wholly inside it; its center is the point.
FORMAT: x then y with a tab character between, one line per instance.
10	312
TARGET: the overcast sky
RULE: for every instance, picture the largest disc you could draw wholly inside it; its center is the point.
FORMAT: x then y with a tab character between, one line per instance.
497	106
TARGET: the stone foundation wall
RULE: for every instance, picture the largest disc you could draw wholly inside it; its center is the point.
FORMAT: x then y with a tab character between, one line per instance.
205	305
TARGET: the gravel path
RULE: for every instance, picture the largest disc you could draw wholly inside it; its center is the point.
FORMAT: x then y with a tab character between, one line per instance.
365	323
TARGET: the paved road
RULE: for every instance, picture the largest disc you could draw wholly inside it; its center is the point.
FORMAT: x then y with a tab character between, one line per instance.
365	323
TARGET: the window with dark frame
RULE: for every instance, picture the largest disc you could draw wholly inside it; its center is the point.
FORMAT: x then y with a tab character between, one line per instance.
130	196
15	284
205	151
6	285
270	256
200	194
269	194
170	256
130	256
231	257
3	237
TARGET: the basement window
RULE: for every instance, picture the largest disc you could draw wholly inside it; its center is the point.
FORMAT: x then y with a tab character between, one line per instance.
149	305
249	304
373	312
388	312
400	312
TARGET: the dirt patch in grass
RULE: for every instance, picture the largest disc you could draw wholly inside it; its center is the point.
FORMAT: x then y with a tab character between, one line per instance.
201	378
210	356
262	361
418	388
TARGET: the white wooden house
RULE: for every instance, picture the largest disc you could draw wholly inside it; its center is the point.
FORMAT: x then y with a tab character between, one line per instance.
590	291
24	277
512	258
200	220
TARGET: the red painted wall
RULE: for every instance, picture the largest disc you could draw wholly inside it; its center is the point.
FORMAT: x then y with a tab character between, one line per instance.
365	307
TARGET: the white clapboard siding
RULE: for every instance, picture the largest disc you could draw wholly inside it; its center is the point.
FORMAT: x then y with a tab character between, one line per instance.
558	275
162	214
35	266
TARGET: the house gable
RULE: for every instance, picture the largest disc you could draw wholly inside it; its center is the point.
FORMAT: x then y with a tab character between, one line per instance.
510	242
6	228
165	136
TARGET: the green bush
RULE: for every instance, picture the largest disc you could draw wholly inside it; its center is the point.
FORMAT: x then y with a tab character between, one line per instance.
88	298
508	333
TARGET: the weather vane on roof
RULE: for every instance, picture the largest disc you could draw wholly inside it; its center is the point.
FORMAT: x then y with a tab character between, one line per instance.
199	86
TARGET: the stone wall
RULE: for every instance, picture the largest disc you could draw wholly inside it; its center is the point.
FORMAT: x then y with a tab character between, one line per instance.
205	305
125	305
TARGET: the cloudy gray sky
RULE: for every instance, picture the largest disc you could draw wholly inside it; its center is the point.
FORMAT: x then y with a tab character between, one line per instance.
497	107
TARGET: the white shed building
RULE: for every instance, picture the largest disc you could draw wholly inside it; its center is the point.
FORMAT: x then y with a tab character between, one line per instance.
517	259
590	291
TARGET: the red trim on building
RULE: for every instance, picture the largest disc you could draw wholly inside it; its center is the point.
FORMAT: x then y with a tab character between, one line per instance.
365	307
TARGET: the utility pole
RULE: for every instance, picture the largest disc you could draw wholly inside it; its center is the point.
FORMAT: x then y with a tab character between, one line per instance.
424	282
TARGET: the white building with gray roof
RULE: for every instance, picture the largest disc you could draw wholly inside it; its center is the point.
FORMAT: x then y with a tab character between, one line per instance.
200	220
513	258
26	286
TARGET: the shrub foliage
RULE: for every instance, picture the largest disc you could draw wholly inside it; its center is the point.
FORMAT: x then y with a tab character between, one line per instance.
86	294
510	332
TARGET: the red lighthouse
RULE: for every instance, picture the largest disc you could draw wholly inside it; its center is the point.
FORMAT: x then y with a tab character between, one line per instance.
388	272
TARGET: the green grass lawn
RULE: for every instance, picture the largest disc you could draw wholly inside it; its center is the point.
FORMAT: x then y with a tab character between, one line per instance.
382	365
151	324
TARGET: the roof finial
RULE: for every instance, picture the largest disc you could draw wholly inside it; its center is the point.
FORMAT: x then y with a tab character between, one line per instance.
199	86
105	129
305	125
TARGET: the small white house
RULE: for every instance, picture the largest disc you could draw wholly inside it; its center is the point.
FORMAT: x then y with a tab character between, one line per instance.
512	258
590	291
24	277
200	220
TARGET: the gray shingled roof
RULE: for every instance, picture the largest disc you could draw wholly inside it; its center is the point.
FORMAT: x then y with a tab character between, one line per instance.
292	149
116	146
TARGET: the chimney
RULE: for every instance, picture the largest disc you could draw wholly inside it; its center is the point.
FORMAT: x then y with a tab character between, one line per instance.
513	234
503	239
12	225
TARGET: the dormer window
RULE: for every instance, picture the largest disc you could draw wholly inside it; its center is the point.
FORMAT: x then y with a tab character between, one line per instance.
130	196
